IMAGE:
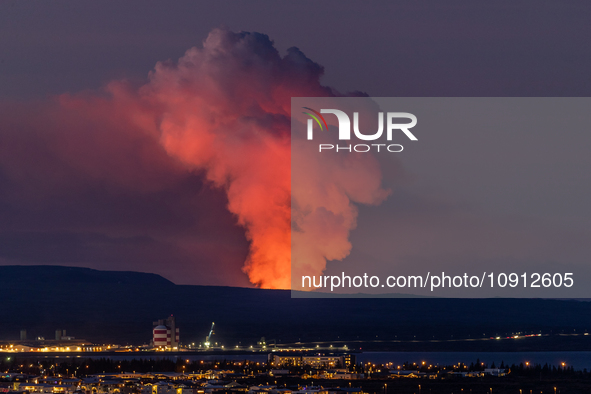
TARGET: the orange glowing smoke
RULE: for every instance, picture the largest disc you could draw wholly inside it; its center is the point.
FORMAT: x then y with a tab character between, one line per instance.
224	109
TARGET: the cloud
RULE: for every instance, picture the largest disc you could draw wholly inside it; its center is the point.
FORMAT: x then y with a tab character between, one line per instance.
220	114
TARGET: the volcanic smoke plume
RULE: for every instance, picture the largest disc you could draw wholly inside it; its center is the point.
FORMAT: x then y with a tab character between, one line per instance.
226	109
223	109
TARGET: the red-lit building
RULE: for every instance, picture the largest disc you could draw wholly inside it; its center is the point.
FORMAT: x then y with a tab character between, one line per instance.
165	333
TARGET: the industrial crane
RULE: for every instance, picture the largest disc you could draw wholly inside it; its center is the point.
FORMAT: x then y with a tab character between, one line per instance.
208	338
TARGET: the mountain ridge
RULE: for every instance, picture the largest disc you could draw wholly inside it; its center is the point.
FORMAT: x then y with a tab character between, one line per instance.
120	306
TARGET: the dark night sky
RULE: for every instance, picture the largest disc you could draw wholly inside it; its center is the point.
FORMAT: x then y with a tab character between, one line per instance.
61	212
403	48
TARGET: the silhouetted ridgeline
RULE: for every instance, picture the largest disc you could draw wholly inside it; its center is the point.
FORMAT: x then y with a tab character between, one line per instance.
121	306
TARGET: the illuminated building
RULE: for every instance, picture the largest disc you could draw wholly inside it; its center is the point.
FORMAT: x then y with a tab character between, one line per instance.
317	361
166	333
160	336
